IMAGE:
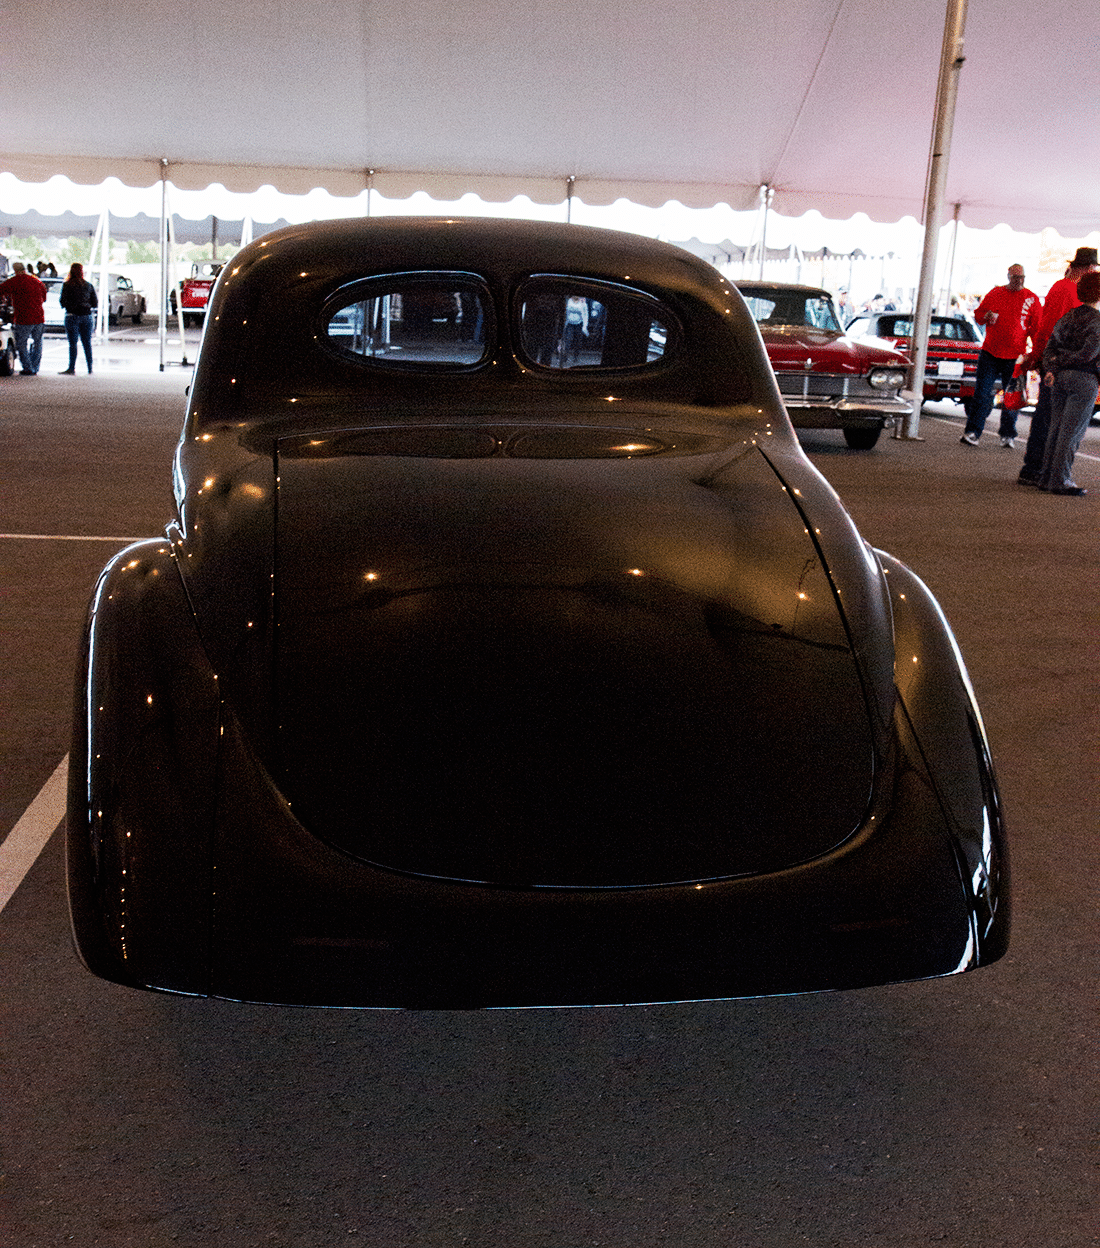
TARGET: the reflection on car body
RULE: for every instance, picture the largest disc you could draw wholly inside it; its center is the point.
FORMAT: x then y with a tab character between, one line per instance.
828	380
489	663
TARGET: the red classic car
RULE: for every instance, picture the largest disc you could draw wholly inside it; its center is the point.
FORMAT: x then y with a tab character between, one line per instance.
827	380
953	347
194	292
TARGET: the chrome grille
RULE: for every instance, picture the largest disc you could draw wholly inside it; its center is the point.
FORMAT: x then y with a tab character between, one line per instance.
827	386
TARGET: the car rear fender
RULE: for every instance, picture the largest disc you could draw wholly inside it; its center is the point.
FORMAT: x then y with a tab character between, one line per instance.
142	779
940	705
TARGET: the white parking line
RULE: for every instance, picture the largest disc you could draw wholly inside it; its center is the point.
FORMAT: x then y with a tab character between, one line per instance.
41	818
64	537
947	420
29	836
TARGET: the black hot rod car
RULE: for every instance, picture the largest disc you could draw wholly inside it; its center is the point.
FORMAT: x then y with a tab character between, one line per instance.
507	650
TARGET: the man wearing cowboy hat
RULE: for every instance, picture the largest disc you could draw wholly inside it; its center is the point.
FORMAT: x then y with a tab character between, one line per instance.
1061	297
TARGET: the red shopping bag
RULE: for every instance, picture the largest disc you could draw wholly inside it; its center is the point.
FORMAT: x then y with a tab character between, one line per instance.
1015	391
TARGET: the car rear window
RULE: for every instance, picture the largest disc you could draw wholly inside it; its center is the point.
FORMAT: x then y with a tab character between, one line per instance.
577	323
957	331
413	321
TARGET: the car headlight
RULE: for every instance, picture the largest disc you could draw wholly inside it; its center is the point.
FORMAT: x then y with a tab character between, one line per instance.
887	378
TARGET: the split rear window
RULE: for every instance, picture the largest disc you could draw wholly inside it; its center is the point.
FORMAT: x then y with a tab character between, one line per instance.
447	322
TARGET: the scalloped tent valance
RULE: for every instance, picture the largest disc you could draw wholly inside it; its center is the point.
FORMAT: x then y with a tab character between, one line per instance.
829	102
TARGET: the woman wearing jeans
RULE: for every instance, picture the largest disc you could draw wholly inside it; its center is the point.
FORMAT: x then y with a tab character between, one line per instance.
1071	364
78	298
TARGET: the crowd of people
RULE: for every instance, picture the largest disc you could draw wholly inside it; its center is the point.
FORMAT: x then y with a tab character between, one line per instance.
1025	333
25	293
44	268
878	303
1061	339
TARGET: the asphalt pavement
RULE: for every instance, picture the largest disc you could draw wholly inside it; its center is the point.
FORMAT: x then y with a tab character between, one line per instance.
962	1111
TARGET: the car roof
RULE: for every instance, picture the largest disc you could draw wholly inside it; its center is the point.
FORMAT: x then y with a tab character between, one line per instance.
760	284
262	339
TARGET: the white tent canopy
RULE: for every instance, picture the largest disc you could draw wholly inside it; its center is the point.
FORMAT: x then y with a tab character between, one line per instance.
140	226
829	102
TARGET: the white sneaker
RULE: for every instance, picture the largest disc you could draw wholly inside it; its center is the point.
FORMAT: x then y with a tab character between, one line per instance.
971	439
1009	442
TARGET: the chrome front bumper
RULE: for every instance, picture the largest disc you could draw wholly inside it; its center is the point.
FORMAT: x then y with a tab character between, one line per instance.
816	411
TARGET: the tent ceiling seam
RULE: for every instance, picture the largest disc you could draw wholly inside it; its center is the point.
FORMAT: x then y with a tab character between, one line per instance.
773	179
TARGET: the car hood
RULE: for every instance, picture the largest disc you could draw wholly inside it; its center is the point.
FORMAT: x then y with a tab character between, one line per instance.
790	347
554	656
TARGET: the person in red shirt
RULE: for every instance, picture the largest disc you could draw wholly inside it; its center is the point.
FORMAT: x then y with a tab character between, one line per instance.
1010	315
1061	297
27	296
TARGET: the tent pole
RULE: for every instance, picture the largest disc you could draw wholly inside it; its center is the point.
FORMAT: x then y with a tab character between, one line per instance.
951	62
104	276
91	261
162	317
766	194
179	300
570	184
949	279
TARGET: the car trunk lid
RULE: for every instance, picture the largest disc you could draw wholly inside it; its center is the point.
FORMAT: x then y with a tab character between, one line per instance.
510	657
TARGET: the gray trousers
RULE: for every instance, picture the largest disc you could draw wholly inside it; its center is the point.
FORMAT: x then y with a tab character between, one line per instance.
1071	404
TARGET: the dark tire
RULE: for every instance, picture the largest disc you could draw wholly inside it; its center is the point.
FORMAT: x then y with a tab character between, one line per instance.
862	439
7	360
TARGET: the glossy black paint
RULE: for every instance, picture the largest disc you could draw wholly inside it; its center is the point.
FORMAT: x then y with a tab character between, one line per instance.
514	686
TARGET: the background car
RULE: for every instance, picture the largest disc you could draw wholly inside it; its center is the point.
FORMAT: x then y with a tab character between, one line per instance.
194	292
954	343
827	379
122	299
52	310
505	649
8	353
